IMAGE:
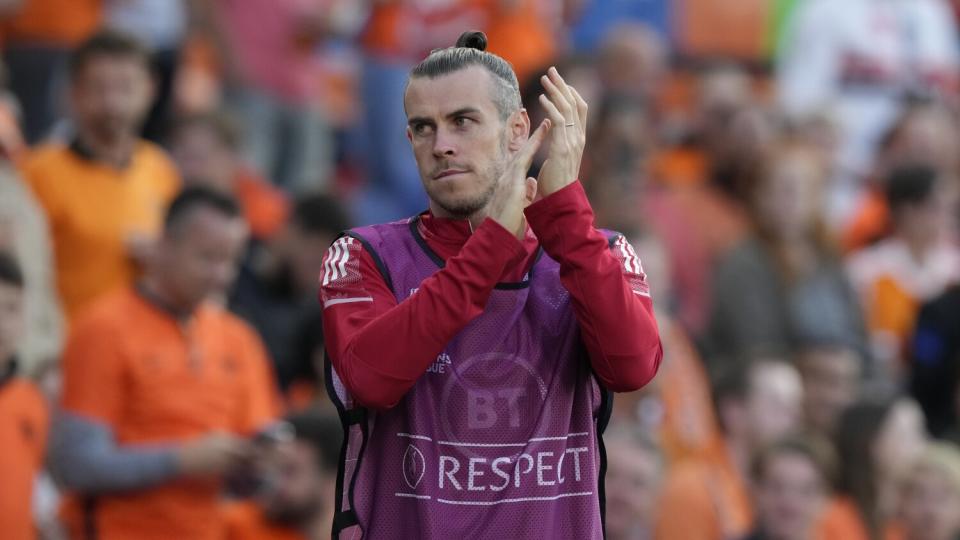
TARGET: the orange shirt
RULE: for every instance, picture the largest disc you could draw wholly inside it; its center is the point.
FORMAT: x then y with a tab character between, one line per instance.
54	22
707	28
265	207
705	499
245	521
23	437
154	379
521	36
841	521
94	210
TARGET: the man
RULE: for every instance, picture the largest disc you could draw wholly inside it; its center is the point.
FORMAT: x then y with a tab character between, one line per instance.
105	192
296	500
831	376
708	499
207	150
277	293
23	413
635	467
791	484
472	345
160	386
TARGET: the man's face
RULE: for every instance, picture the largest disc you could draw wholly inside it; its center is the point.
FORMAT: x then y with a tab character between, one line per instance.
200	256
203	158
111	95
11	319
459	141
294	482
633	483
831	382
774	403
789	496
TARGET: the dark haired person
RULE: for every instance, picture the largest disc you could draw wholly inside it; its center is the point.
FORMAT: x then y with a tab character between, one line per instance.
104	193
473	345
160	386
298	477
792	478
23	413
915	264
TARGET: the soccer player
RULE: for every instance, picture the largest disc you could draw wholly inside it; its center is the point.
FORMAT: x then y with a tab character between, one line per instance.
161	388
473	346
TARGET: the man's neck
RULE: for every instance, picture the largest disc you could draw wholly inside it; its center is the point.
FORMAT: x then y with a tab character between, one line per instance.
158	294
116	152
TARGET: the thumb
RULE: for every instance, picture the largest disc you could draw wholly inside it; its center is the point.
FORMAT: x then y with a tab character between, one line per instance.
531	193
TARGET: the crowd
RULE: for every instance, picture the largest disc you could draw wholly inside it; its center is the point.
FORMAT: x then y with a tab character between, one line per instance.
172	173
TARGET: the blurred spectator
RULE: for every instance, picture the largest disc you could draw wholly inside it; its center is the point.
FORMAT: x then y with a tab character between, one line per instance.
926	133
831	375
162	25
791	484
161	386
523	32
103	193
396	36
269	49
207	150
914	265
24	232
876	442
296	500
709	29
930	498
591	21
632	61
23	412
38	36
708	499
934	377
784	285
277	294
859	59
634	473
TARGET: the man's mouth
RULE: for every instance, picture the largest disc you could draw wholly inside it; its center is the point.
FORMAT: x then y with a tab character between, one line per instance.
448	172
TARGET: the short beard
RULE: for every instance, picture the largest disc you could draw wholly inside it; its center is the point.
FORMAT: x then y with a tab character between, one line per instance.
468	208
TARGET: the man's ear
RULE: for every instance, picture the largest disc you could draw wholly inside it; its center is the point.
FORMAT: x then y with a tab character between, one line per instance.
519	129
409	134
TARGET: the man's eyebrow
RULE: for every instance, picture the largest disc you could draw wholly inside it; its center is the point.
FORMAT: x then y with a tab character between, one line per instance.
419	120
463	111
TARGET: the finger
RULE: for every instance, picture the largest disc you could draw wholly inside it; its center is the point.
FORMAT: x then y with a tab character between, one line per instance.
559	99
581	108
531	194
565	88
554	114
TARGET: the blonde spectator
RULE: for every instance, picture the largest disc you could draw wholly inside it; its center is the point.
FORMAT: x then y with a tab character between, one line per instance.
930	500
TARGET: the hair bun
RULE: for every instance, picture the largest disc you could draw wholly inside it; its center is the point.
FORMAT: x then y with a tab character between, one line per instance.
473	39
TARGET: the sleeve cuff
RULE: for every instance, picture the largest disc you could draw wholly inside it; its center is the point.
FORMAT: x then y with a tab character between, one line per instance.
567	198
496	236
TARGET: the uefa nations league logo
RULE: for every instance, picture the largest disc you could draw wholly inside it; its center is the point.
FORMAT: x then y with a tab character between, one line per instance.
413	466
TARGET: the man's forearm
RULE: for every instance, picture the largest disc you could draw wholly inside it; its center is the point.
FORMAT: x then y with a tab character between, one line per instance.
608	290
85	457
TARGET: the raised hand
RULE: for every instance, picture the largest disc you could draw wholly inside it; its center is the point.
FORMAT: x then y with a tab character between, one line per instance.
514	189
568	112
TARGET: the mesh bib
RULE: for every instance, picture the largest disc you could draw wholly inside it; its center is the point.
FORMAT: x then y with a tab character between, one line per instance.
500	438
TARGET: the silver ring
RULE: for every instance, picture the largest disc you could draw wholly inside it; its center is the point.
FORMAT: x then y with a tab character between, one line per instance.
571	124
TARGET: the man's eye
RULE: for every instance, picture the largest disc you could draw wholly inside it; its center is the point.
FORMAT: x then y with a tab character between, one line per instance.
421	129
461	121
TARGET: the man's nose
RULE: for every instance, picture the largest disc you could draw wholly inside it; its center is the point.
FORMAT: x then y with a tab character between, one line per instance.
444	144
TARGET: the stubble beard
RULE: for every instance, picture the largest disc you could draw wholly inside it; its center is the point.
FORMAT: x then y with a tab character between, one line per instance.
477	206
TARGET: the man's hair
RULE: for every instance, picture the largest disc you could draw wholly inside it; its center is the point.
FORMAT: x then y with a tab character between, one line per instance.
319	213
323	432
108	43
910	185
10	273
470	50
815	450
198	197
225	127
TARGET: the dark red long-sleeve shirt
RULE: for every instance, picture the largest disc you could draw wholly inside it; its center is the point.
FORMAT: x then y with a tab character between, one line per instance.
380	348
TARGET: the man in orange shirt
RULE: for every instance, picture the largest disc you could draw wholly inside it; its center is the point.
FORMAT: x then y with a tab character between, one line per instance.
296	500
105	192
708	499
23	413
161	387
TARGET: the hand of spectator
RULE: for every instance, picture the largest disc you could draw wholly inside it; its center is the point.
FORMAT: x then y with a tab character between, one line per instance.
514	189
568	112
212	454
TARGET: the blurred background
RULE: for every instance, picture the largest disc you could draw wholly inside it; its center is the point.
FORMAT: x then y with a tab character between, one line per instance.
788	171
